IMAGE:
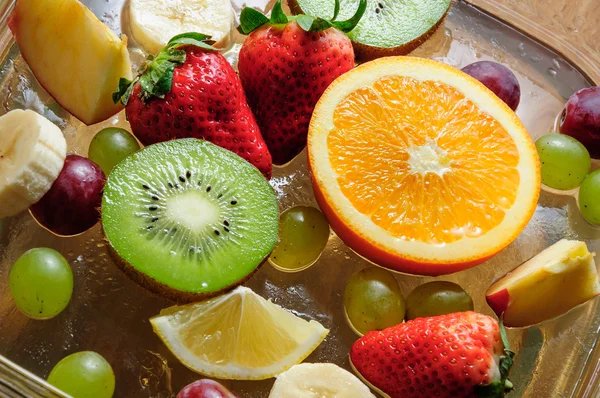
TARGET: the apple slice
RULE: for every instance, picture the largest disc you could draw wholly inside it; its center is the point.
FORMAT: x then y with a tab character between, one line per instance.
546	286
73	55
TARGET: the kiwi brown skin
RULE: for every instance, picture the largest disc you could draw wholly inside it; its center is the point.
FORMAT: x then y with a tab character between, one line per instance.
160	289
364	52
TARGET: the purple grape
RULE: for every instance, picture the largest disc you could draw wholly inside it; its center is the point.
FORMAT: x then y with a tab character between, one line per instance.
581	119
205	388
72	205
497	78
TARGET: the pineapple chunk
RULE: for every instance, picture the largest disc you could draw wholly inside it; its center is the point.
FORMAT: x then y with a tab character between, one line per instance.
548	285
73	55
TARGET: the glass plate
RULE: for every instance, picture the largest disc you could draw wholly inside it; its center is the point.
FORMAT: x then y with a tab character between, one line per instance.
109	313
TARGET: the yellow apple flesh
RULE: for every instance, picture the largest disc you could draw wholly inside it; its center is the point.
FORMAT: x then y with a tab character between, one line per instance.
548	285
73	55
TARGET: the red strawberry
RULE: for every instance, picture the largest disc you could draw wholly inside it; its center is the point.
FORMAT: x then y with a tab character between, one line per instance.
190	90
285	66
455	355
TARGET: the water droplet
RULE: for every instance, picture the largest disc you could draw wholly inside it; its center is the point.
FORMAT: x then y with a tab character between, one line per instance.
552	72
555	63
521	49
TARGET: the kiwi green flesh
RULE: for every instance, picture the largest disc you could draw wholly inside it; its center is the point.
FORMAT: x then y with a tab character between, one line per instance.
188	216
386	23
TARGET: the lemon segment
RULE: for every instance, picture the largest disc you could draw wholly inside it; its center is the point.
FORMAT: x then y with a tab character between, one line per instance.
237	336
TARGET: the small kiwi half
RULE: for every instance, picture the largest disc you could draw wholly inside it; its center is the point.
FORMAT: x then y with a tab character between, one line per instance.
388	27
188	219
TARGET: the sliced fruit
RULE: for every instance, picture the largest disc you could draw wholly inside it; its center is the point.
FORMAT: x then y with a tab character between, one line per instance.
188	219
419	167
238	336
32	153
73	55
322	380
72	205
388	27
535	291
154	22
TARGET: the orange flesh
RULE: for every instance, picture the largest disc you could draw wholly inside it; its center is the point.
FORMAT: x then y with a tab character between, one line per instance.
422	161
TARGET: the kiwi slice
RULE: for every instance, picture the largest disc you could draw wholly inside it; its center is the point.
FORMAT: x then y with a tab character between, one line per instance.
388	27
188	219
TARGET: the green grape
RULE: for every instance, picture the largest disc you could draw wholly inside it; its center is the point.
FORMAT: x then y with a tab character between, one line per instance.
589	197
303	234
84	374
41	283
110	146
373	300
564	161
437	298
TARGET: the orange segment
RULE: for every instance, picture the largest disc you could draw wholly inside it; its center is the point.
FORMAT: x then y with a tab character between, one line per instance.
415	162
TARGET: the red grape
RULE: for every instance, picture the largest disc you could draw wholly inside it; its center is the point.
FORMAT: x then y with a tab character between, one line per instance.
581	119
205	388
72	205
497	78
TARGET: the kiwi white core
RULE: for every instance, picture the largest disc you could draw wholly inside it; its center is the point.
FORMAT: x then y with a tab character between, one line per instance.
192	210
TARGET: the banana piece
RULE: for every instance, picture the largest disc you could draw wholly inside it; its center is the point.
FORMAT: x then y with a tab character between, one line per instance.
318	380
32	154
154	22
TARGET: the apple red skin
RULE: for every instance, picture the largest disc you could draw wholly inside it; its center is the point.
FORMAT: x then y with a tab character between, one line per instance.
581	119
499	301
72	204
205	388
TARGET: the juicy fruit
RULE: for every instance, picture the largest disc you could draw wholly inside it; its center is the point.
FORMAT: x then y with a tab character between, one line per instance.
318	380
188	219
419	168
205	388
285	70
389	27
110	146
41	283
581	119
84	374
303	234
72	204
73	55
443	356
32	153
564	161
497	78
154	22
237	336
373	300
536	290
589	194
203	100
437	298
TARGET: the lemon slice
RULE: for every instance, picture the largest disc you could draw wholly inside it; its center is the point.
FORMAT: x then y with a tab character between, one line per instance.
239	336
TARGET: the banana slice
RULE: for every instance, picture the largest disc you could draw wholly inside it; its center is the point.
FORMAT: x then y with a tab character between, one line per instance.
318	380
155	22
32	154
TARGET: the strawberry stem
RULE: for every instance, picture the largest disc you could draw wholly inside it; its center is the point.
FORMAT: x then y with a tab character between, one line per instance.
251	19
156	79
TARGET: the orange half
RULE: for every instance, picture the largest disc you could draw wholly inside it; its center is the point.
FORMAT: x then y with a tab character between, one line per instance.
419	167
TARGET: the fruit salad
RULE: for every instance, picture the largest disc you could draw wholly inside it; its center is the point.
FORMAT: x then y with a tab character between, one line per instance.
291	199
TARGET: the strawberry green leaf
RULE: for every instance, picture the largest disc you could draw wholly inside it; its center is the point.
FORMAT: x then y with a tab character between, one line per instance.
278	17
336	10
250	20
192	39
156	79
350	24
310	24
